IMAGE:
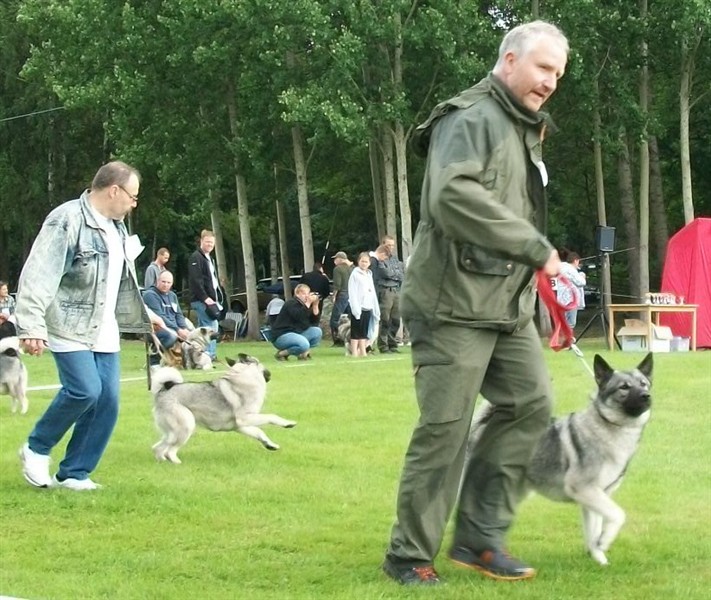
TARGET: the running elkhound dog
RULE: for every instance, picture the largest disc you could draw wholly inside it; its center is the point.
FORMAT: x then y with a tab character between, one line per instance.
583	457
231	403
13	374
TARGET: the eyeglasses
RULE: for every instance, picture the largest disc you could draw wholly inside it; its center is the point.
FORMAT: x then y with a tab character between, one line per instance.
131	196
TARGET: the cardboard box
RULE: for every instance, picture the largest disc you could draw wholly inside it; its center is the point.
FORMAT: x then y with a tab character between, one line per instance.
633	337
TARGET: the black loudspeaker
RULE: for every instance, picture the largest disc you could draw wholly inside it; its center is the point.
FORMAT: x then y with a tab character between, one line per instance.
605	238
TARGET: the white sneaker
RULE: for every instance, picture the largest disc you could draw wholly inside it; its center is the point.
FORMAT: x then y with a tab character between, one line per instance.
77	485
35	467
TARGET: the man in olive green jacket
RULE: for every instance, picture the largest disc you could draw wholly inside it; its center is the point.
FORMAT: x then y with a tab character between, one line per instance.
468	302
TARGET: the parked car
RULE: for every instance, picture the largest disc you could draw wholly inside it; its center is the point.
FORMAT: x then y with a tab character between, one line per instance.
265	290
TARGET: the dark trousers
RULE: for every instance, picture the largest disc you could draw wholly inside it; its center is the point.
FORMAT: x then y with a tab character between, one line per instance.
339	307
389	301
452	366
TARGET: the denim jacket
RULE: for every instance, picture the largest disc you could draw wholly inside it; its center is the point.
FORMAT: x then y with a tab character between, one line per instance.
63	282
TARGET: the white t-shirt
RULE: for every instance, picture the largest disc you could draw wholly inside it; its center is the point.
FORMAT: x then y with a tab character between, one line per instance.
109	339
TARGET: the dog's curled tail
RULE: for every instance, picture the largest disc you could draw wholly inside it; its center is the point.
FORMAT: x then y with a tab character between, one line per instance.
482	414
10	345
164	379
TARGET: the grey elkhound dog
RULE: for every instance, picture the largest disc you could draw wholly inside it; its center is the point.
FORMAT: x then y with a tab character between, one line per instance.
13	374
231	403
194	349
344	333
583	457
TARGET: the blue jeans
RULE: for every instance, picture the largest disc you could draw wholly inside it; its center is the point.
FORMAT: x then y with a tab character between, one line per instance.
571	317
89	400
204	320
298	343
167	338
339	307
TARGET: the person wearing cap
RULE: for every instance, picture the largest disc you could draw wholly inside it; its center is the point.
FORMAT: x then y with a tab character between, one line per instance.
341	275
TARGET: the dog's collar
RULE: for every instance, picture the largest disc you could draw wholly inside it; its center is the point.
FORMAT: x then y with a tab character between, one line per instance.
604	418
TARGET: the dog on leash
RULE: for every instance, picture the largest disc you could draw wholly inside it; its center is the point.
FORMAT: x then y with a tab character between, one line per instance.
13	374
231	403
190	353
583	457
194	349
344	333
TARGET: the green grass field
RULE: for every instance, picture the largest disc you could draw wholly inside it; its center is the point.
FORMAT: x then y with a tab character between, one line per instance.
312	520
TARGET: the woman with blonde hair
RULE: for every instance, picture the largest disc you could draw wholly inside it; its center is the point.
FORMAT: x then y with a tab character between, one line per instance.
363	300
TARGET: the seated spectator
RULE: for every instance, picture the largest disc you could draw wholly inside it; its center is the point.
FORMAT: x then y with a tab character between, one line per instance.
7	312
273	309
162	301
296	329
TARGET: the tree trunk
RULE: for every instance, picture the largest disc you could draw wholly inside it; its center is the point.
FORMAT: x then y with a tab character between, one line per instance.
605	279
643	166
283	252
687	68
629	213
215	219
307	242
400	142
376	176
388	182
659	231
403	191
250	279
273	252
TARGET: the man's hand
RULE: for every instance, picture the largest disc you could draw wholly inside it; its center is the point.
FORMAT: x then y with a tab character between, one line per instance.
183	334
33	346
312	300
552	266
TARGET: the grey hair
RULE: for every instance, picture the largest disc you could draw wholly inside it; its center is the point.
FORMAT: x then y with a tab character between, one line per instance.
520	39
114	173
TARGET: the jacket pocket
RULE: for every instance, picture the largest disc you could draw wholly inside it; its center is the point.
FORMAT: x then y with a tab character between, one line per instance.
476	260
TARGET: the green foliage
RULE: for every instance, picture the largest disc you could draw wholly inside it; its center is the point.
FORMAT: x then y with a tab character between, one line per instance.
151	81
312	520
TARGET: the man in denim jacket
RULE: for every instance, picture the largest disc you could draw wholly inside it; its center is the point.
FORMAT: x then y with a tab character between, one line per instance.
77	290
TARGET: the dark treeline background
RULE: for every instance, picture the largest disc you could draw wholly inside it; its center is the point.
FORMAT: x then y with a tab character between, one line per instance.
236	111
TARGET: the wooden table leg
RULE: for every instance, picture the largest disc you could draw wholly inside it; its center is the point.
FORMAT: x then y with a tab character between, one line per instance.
610	329
693	330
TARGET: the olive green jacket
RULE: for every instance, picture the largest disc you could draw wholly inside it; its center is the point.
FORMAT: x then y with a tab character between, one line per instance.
482	211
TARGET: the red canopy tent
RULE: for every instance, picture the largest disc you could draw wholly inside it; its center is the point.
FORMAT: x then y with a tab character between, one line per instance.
687	273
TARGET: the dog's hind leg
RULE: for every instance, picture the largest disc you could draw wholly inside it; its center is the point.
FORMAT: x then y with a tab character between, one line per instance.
19	397
177	425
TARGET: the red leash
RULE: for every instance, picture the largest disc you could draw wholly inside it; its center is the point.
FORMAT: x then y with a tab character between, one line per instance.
562	336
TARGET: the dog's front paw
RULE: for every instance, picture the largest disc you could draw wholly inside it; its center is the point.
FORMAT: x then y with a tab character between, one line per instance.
290	424
269	445
599	557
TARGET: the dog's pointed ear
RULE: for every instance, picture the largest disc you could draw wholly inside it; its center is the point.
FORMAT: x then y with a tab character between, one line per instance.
243	358
645	367
230	362
603	371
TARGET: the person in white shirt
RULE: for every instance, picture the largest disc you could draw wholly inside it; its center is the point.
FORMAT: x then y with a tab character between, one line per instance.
363	300
77	290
